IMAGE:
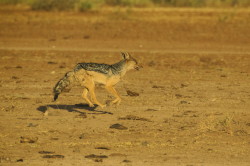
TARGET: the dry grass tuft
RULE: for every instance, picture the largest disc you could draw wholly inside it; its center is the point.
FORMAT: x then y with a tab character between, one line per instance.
215	124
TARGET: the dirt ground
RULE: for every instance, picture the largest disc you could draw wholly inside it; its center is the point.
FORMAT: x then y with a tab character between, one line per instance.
193	100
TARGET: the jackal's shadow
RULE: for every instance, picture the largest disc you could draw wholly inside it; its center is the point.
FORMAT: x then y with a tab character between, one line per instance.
73	108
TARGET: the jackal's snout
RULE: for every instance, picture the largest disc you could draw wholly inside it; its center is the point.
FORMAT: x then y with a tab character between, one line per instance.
138	67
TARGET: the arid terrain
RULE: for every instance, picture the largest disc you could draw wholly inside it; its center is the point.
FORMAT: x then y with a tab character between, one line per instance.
189	105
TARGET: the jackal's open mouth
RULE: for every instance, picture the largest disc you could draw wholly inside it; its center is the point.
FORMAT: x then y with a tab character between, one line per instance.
138	67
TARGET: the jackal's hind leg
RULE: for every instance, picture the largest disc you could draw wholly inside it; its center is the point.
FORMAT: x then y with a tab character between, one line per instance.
112	90
93	98
91	88
89	85
85	96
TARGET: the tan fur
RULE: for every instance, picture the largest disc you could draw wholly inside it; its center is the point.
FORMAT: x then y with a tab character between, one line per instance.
88	79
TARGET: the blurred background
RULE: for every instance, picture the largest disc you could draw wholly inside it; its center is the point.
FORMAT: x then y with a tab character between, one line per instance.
192	106
83	5
137	25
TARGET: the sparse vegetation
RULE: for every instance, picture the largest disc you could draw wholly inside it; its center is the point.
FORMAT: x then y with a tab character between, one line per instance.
85	5
199	3
10	2
53	5
223	124
130	3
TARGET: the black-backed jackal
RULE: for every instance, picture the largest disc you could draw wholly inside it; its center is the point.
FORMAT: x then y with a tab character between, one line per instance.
87	74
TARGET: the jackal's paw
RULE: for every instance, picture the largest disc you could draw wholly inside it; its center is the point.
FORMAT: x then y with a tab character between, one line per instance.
116	102
102	105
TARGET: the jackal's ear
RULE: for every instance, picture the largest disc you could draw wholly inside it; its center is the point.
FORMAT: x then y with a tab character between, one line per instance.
125	55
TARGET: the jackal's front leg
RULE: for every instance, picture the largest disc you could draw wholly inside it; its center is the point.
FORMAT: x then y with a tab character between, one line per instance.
112	90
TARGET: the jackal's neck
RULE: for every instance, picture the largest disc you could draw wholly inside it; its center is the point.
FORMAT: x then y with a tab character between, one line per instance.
119	68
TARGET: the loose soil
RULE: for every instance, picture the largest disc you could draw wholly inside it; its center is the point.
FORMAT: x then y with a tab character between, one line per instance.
193	93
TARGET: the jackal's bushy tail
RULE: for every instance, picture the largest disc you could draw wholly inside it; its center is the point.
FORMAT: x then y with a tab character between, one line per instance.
64	84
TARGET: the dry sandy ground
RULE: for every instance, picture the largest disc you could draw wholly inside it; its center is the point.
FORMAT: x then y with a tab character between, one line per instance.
194	92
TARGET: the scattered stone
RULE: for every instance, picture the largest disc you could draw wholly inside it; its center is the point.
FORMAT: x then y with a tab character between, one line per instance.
81	116
51	63
86	36
150	109
53	156
210	150
24	98
32	125
132	117
45	152
14	78
188	112
98	160
126	161
62	66
130	93
66	37
28	140
54	138
93	156
81	136
178	95
52	39
183	85
223	75
103	148
156	86
184	102
36	119
118	126
19	160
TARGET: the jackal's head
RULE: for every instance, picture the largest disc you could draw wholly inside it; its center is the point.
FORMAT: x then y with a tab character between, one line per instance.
131	62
